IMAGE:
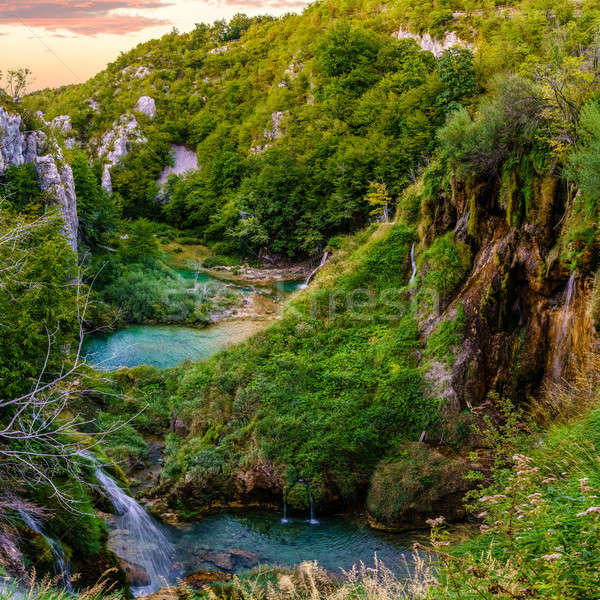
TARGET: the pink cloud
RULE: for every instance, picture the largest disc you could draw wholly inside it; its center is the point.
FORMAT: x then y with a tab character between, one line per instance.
84	17
266	4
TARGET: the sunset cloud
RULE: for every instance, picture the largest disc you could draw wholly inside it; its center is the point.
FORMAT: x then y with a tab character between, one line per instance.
84	17
265	5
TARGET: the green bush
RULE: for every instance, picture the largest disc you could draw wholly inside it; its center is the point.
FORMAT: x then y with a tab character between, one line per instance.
415	482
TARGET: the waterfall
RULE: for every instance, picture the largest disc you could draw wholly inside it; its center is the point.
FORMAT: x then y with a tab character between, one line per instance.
61	563
146	546
284	519
564	328
413	264
314	271
313	519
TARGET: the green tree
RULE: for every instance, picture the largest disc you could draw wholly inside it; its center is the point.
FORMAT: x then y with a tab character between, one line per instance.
141	243
98	215
457	74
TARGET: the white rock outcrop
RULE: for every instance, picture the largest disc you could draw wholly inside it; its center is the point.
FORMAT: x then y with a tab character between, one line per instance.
184	161
56	177
136	72
275	132
429	44
62	124
146	106
113	145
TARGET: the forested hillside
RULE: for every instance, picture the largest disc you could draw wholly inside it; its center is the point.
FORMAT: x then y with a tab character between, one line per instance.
441	159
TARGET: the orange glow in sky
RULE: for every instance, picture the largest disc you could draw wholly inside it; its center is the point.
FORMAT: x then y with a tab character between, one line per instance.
68	41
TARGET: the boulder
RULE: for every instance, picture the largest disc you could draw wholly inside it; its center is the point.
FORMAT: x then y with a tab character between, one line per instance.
146	106
243	558
202	579
221	560
137	576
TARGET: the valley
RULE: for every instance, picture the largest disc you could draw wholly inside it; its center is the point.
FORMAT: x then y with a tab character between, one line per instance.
307	308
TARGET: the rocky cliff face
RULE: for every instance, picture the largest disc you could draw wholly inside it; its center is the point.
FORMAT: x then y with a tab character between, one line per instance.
430	44
113	145
56	178
529	321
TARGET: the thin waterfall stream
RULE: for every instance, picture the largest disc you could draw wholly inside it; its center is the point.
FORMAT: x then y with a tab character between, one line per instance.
143	543
564	328
413	264
61	563
315	271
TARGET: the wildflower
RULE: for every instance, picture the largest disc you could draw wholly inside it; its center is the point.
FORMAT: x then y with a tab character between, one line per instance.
590	510
548	480
483	514
484	528
492	499
552	557
584	487
435	522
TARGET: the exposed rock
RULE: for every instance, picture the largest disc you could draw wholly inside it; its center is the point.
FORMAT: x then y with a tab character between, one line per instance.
56	177
244	559
259	480
202	579
136	574
146	106
136	72
219	50
14	143
11	559
62	124
179	427
166	593
274	132
93	104
184	160
113	146
57	180
221	560
429	44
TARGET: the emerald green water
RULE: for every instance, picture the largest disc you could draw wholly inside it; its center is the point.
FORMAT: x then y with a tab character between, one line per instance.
165	346
335	543
162	346
237	542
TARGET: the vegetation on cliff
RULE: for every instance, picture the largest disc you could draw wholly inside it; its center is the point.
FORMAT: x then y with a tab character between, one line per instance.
384	384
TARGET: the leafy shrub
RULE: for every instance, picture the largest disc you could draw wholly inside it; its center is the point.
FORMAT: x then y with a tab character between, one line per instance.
416	481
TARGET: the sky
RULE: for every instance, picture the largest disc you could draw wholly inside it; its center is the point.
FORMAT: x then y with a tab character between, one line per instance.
68	41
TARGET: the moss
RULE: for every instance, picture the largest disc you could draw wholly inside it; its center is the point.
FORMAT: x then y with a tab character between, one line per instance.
415	482
445	264
441	344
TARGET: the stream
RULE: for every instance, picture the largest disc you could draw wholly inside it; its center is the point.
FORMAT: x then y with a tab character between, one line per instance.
157	554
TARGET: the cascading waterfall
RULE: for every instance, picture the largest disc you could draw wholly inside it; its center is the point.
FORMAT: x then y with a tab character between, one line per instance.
146	545
564	329
413	264
284	519
61	563
314	271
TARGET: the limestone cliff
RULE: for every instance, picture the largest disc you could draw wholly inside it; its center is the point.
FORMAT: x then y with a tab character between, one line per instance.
529	320
42	149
